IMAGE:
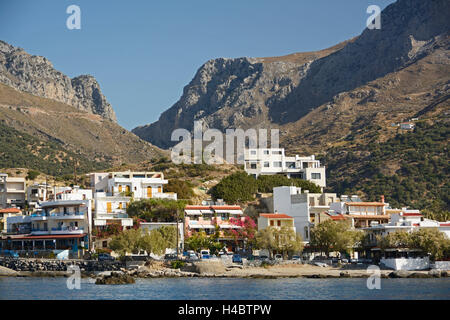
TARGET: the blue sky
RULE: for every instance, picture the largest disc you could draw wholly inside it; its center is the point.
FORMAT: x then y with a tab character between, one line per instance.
144	52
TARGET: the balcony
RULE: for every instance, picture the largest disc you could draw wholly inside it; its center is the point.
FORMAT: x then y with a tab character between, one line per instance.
57	216
55	231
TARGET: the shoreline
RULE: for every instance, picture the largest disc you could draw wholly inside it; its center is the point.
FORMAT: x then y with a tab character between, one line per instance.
273	272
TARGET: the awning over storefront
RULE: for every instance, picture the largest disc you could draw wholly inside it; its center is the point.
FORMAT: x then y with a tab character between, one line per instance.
48	237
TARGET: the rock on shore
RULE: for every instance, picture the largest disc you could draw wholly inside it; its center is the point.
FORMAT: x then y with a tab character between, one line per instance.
115	278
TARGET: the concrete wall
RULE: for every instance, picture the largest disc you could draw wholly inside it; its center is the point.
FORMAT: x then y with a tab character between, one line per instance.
406	263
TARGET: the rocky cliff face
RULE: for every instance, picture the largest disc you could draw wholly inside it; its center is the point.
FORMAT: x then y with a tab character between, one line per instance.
36	75
267	92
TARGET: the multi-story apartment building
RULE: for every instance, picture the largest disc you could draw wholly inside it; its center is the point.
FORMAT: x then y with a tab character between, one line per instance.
305	208
139	185
110	210
12	191
114	190
63	223
274	161
362	214
207	217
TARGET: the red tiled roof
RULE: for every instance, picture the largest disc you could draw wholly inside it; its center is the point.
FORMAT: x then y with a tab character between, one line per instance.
338	217
377	204
275	216
411	214
193	207
444	224
10	210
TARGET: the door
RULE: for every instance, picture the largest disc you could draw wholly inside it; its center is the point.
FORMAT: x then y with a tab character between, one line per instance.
159	189
108	207
149	192
120	188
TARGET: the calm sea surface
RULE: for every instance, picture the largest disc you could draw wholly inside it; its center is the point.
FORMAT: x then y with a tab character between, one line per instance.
225	289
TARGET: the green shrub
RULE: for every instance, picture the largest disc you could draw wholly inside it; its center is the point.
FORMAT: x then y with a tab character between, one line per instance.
177	264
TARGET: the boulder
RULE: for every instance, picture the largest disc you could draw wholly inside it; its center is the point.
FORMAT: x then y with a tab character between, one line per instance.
115	278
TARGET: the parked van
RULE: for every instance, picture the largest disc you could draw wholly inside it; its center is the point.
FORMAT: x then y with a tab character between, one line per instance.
205	254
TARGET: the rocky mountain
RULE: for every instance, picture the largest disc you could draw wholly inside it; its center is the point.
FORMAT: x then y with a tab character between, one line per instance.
36	75
280	91
49	122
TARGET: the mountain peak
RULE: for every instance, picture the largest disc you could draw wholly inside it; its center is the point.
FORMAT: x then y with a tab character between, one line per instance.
36	75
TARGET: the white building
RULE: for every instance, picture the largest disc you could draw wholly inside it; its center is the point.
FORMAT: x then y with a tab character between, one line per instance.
12	191
114	190
406	220
38	193
274	161
140	185
303	207
111	209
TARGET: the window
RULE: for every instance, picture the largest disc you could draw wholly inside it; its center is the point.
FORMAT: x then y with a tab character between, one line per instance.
315	176
193	218
266	152
266	164
207	216
279	223
252	165
277	164
253	152
225	216
278	152
271	223
104	244
290	165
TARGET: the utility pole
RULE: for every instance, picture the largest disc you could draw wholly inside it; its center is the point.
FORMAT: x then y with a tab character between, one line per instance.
177	233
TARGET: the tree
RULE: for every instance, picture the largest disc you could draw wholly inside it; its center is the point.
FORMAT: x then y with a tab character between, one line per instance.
397	239
237	187
163	210
182	188
265	239
153	242
431	241
127	241
334	236
289	241
284	240
246	230
200	240
134	240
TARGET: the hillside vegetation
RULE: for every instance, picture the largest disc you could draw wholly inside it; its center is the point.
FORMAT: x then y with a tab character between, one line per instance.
410	169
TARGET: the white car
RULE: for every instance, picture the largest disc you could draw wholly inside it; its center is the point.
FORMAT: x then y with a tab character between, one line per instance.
278	257
321	264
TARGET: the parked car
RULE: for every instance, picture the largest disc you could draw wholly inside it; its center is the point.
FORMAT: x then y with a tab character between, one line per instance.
170	256
264	258
278	257
193	257
237	258
204	254
296	258
353	260
344	260
105	257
